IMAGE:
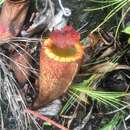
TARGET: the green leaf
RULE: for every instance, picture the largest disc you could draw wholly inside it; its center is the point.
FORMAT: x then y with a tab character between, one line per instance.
127	30
1	2
114	99
46	124
114	123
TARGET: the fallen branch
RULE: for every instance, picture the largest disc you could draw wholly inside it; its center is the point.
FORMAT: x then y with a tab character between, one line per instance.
44	118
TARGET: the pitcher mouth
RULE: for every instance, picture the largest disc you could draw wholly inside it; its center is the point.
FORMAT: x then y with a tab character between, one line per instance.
70	54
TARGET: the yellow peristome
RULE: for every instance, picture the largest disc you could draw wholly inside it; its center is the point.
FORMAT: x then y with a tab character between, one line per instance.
63	55
48	42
